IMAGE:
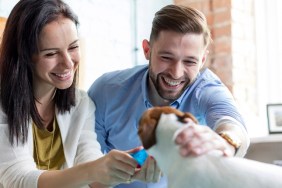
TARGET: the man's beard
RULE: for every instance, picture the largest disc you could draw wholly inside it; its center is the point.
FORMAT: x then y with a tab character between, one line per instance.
163	93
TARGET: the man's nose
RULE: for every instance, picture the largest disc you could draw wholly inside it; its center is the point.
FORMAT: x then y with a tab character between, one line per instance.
177	69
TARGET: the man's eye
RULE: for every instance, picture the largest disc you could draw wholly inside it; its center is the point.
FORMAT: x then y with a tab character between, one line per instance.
166	58
190	62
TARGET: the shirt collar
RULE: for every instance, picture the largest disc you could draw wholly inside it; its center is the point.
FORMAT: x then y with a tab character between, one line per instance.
145	90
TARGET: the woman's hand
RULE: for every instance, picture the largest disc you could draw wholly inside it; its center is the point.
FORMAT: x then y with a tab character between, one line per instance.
114	168
120	167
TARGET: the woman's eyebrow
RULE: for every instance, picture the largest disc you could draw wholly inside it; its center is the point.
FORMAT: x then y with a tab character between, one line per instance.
48	49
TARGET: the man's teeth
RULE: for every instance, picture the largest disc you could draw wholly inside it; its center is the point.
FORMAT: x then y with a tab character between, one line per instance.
63	75
171	82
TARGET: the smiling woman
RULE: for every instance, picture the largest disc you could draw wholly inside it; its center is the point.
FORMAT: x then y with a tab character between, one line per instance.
46	123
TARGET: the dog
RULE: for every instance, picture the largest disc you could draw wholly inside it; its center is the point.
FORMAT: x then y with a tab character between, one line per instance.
158	128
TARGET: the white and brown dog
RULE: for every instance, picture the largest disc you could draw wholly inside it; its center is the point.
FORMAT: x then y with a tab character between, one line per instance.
157	130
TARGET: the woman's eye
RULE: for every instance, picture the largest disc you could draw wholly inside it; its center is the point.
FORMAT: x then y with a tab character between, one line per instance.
50	54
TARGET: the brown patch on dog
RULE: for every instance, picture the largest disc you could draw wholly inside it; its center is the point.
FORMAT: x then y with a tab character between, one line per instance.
149	121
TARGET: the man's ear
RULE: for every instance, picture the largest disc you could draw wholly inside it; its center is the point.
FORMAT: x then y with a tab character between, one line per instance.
146	49
204	58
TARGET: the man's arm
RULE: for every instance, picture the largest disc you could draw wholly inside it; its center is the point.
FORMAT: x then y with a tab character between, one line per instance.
234	134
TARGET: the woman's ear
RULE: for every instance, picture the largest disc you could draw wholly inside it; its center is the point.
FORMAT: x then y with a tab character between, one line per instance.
146	49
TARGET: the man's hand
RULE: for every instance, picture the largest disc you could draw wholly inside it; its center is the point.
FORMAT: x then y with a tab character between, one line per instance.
197	140
149	172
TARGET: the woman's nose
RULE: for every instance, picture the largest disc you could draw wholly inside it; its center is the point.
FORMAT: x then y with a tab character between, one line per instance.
67	60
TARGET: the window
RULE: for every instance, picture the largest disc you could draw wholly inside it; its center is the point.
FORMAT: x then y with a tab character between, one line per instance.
268	18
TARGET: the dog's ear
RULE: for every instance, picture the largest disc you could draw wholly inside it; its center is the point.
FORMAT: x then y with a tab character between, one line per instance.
149	121
183	118
146	132
148	125
189	115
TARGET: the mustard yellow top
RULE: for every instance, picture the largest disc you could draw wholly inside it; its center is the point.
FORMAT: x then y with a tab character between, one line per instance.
48	152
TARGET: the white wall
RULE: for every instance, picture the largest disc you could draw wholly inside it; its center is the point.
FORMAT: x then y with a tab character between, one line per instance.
145	14
106	37
6	6
269	48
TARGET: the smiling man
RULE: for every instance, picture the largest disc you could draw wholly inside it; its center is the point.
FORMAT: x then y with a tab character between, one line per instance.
176	51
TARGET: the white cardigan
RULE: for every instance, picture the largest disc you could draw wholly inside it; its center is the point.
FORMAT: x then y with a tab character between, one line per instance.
17	166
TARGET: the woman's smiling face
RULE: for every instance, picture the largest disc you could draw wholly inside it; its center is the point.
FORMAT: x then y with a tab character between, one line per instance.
58	58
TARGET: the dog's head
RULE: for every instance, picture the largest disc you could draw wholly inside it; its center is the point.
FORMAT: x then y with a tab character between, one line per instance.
149	121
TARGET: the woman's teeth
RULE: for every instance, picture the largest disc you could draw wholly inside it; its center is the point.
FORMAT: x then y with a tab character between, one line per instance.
62	75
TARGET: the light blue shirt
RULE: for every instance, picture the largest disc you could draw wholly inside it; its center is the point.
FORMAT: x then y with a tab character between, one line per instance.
122	96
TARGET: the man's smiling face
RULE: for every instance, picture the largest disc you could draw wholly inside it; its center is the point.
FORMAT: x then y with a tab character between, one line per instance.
175	60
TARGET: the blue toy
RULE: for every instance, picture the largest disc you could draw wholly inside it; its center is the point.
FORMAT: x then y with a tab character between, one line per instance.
140	156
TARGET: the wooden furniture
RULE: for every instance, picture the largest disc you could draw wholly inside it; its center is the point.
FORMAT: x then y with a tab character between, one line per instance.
2	26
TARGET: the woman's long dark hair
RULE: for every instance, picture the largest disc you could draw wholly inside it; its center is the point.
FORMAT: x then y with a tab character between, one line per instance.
20	41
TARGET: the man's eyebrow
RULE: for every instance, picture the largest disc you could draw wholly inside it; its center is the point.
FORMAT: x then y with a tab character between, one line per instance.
74	42
165	53
192	57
